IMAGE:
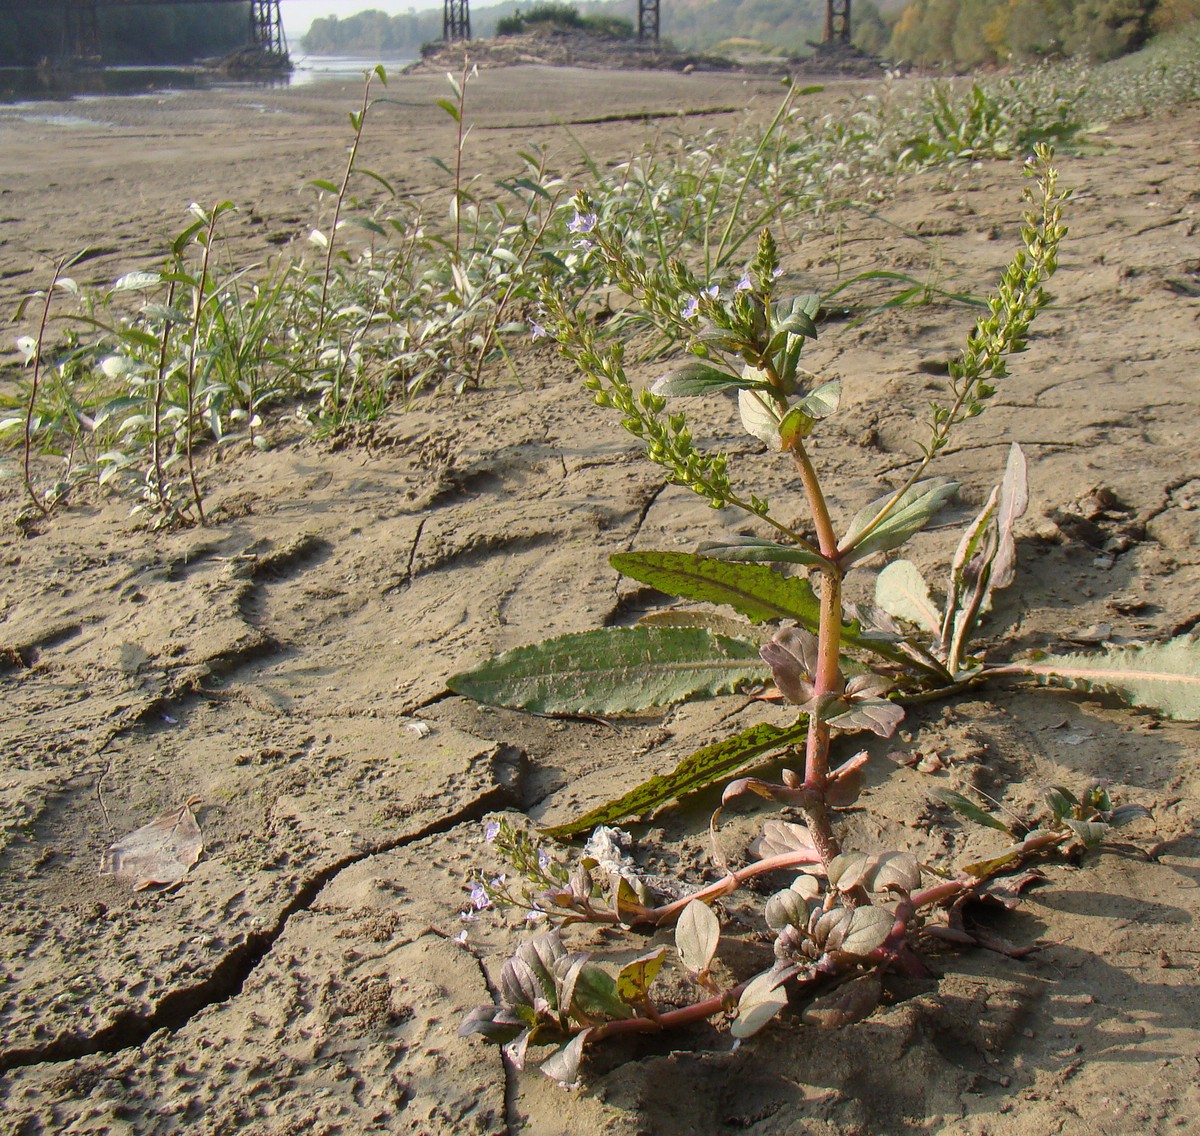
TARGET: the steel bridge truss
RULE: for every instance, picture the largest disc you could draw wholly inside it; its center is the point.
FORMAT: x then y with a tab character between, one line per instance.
648	20
456	21
266	28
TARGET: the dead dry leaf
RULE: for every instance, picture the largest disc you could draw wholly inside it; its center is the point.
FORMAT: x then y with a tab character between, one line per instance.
160	852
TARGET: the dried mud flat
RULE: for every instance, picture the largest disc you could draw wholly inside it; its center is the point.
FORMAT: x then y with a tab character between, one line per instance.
287	665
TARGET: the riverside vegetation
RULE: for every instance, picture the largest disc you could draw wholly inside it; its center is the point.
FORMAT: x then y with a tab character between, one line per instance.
128	395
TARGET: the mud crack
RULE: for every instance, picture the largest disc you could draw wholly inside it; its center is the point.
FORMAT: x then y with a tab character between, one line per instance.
226	980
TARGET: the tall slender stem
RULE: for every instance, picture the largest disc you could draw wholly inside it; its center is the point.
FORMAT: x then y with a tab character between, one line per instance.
35	383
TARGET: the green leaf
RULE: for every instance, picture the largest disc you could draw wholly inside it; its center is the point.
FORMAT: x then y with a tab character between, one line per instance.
823	401
596	994
911	512
901	591
757	592
698	771
701	378
757	549
614	670
970	809
1160	676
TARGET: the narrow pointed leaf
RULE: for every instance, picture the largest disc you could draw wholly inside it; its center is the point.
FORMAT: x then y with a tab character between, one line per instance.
911	513
1160	676
756	549
970	810
698	771
614	670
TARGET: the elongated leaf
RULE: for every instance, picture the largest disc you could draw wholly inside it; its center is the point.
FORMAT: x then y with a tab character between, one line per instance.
911	513
1161	676
901	591
751	549
701	378
698	771
758	592
614	670
968	808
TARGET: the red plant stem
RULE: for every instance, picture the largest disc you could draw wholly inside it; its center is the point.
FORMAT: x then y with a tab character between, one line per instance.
827	680
699	1012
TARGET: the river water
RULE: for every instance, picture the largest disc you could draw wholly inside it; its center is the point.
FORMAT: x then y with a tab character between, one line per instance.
27	84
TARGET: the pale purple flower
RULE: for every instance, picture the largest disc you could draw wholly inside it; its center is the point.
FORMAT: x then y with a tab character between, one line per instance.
543	860
461	938
490	831
480	900
536	331
691	308
582	223
743	285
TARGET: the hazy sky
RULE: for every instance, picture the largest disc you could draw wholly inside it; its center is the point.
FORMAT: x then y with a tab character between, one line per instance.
299	14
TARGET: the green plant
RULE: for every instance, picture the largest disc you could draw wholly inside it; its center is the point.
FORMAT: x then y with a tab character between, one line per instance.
850	916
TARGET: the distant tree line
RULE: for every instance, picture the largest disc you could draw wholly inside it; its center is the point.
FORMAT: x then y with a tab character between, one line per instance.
149	34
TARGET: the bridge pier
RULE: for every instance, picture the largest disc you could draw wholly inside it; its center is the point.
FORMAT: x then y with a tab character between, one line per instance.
456	21
266	28
648	20
82	32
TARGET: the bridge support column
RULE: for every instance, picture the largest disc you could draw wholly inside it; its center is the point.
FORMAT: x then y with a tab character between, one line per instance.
456	21
266	28
837	21
82	31
648	20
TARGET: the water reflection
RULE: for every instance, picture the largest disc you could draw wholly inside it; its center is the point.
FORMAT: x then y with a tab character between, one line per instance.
32	84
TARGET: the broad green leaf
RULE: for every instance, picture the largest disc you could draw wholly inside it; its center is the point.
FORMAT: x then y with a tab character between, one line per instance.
756	549
901	591
702	378
969	809
1091	832
698	771
614	670
760	416
696	936
759	593
911	512
823	401
596	994
1160	676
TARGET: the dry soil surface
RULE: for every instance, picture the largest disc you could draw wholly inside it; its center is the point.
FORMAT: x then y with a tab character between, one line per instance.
287	665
